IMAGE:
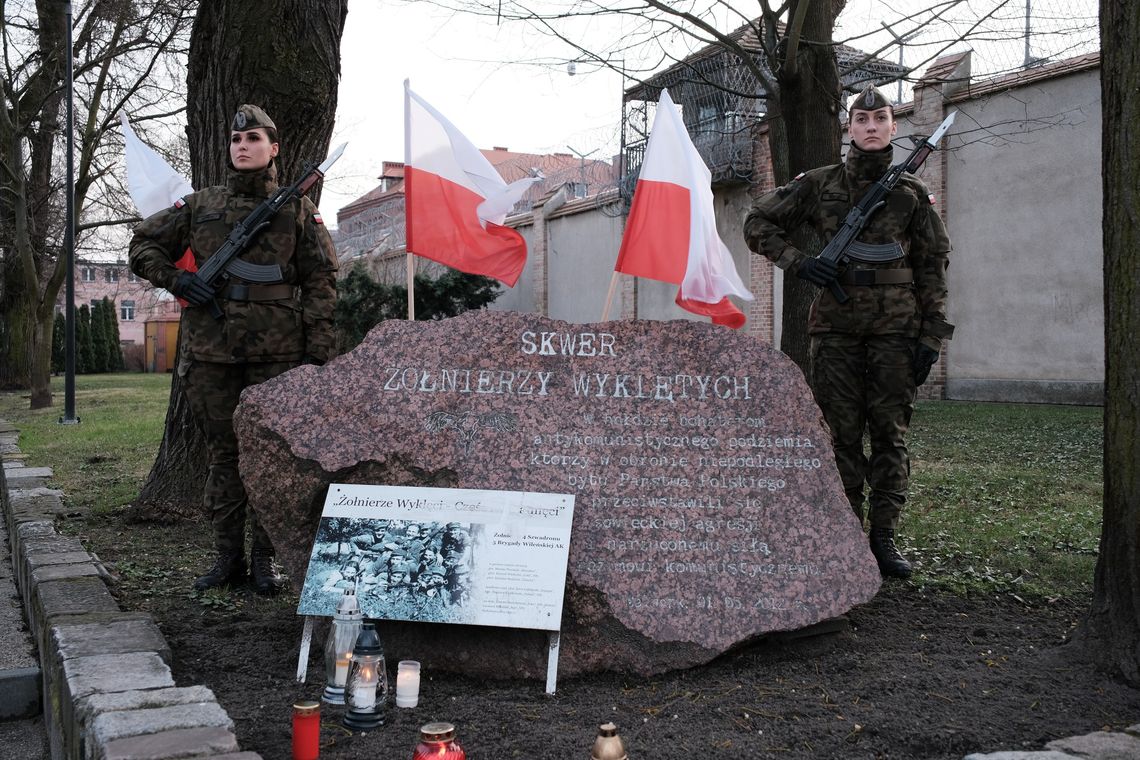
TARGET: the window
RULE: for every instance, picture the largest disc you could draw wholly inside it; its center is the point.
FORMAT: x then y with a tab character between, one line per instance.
112	274
127	311
89	274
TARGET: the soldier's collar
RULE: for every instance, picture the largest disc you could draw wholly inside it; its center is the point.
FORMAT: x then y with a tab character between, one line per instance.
865	165
260	183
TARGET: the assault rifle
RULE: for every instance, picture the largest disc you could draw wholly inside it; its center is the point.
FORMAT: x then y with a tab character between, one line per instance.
225	262
843	246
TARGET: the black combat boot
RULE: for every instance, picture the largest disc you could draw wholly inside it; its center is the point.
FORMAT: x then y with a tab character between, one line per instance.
228	570
263	573
892	564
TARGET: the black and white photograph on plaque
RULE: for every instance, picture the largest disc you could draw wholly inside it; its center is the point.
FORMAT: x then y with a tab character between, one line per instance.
400	569
442	555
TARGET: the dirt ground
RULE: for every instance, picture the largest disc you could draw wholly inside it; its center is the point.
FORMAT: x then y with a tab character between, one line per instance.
915	674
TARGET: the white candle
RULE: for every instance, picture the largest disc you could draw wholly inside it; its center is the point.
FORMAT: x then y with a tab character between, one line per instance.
364	696
364	690
341	673
408	684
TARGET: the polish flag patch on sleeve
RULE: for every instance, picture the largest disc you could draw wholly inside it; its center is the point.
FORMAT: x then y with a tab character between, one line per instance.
179	203
319	220
930	197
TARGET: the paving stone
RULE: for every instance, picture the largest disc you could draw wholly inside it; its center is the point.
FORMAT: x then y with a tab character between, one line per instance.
1133	730
117	637
141	699
62	571
106	673
18	470
20	693
184	742
69	597
110	726
53	544
24	483
47	559
1103	745
35	505
35	528
1021	756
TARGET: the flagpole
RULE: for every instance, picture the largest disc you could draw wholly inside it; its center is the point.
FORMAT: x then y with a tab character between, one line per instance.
610	296
407	165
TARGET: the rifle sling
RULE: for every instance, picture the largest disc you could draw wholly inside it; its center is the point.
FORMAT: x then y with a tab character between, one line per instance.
238	292
868	277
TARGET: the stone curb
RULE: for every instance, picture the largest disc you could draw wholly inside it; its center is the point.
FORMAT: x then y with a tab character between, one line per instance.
103	677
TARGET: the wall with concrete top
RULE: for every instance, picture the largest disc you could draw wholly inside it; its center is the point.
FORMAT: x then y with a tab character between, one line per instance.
106	685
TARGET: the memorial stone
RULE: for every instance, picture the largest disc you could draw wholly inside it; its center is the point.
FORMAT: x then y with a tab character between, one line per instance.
708	506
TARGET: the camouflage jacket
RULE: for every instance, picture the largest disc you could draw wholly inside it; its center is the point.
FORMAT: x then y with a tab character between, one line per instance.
821	199
281	330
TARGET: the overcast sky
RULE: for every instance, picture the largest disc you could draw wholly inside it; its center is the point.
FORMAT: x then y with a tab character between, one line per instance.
453	64
532	104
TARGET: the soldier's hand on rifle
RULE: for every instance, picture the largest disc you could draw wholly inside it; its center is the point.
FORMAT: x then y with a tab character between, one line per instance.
817	271
191	289
924	358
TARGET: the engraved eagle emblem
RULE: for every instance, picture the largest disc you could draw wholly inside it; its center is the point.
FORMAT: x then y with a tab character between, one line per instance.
468	424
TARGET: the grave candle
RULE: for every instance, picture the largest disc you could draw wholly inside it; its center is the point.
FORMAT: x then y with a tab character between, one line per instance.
367	682
407	683
306	730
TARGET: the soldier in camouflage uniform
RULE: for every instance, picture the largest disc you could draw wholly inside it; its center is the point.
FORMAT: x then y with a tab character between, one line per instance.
268	328
870	354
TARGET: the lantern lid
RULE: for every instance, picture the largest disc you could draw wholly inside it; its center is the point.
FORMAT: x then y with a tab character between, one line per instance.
607	729
349	604
306	707
437	732
368	642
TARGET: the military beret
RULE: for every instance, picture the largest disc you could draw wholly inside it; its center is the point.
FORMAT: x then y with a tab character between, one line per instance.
251	117
870	99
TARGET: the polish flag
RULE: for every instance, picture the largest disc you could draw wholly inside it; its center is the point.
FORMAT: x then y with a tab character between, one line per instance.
671	231
455	201
152	183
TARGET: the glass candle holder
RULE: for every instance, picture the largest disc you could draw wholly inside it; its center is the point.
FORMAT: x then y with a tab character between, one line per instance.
367	684
345	628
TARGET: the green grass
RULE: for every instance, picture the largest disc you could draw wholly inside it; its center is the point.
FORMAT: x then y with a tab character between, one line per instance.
1004	498
101	462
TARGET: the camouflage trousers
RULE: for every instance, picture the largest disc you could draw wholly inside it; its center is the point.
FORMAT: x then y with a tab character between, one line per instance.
213	390
865	386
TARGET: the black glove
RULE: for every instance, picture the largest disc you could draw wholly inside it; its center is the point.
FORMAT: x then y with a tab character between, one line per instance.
191	289
817	271
924	358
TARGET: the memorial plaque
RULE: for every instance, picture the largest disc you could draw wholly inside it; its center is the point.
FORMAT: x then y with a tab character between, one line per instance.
708	506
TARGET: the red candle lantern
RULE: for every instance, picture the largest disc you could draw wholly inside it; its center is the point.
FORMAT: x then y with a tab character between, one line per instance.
306	730
437	742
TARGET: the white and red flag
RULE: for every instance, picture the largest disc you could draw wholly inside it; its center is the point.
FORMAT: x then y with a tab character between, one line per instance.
671	231
152	183
455	201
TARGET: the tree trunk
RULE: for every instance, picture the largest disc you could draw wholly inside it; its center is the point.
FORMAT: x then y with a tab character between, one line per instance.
809	108
1111	630
173	489
283	55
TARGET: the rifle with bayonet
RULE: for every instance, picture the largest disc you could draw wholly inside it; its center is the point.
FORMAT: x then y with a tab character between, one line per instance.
225	262
843	246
